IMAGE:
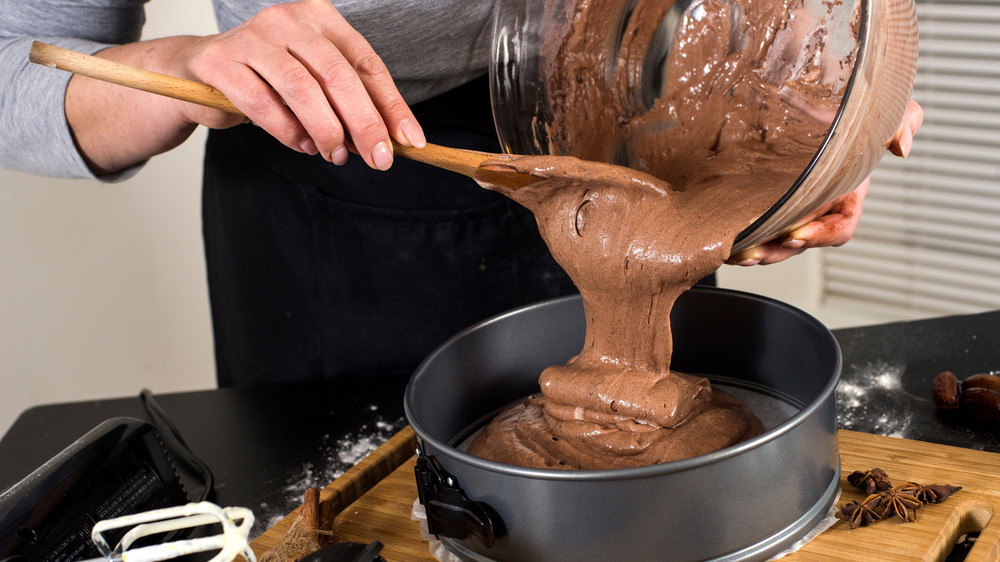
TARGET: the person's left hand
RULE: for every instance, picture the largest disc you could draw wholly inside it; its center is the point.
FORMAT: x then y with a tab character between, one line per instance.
836	222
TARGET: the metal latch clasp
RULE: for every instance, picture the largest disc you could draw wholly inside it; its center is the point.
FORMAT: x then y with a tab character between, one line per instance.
450	513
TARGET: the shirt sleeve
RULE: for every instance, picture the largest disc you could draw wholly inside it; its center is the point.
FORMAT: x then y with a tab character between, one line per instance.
34	134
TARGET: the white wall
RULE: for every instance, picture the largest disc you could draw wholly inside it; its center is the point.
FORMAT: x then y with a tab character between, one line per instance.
102	287
798	282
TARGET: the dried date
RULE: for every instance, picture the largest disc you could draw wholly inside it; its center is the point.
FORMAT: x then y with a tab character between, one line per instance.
977	396
945	391
982	380
981	403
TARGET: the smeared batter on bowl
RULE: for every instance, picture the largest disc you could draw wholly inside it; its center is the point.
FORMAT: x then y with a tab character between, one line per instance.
741	114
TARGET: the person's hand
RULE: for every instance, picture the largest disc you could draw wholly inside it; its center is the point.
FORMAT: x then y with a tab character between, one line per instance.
303	74
836	222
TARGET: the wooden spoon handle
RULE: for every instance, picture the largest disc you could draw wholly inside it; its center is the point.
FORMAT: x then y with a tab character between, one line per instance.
131	77
458	160
462	161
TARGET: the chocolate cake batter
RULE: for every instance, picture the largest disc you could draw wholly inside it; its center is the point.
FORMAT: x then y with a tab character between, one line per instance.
743	109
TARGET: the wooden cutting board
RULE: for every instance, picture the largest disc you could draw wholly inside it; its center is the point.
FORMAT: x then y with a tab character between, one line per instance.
374	499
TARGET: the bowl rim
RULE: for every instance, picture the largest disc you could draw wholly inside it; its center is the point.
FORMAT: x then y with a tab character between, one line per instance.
848	88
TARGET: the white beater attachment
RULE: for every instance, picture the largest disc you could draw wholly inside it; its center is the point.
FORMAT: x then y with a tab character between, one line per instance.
231	542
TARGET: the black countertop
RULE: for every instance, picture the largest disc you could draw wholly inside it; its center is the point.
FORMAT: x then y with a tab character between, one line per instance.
885	385
267	445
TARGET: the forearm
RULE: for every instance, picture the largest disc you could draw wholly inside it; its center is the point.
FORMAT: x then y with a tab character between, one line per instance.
116	127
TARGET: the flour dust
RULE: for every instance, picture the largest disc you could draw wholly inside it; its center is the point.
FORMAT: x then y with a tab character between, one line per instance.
334	458
871	399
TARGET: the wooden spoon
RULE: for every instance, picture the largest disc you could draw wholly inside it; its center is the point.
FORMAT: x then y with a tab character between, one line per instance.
465	162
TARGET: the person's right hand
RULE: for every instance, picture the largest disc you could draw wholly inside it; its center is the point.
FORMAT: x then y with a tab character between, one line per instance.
303	74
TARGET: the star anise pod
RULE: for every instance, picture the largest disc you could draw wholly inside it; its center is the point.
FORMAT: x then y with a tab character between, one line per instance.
861	514
932	493
898	501
870	482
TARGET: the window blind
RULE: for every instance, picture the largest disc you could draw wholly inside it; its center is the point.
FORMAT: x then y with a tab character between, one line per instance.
929	238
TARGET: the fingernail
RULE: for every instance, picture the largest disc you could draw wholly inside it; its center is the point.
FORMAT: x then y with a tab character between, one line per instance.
413	133
793	243
382	156
339	155
906	142
308	146
748	262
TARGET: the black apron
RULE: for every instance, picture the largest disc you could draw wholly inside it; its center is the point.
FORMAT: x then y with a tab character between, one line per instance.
317	271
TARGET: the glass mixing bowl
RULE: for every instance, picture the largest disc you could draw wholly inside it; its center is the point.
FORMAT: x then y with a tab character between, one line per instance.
875	94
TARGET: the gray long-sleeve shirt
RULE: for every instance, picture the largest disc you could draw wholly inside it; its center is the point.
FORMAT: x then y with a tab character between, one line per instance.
430	46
